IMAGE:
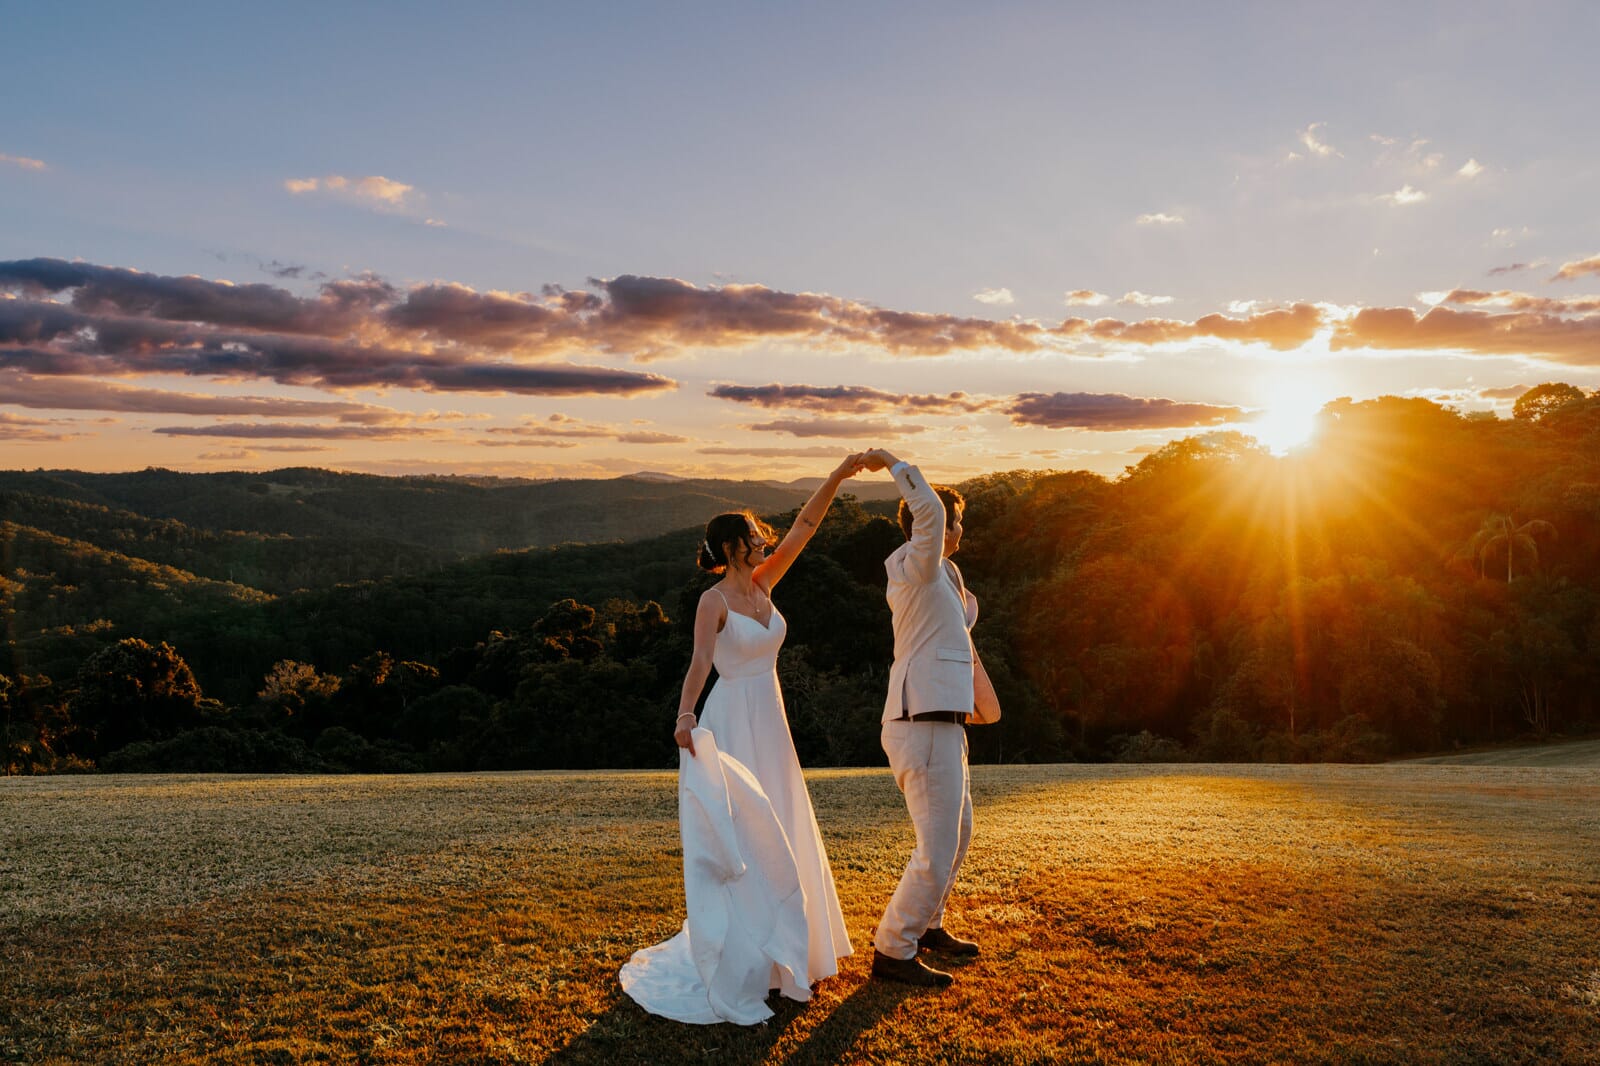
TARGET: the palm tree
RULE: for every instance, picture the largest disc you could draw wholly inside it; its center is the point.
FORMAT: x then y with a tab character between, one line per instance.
1500	533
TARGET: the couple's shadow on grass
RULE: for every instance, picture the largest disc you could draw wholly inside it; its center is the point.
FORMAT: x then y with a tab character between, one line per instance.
627	1034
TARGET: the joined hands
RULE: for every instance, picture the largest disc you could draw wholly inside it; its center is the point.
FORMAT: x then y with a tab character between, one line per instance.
877	459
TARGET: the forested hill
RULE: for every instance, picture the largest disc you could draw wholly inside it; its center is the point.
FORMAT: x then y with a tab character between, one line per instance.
1413	581
454	516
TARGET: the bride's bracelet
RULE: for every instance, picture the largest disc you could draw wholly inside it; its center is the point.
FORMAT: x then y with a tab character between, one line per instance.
685	714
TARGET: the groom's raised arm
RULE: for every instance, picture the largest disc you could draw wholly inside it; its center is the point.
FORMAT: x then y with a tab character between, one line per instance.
925	550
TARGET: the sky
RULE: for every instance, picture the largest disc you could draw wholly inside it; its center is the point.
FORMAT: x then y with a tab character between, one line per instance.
742	240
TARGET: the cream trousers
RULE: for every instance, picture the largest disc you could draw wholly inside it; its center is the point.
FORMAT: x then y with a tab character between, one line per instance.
929	761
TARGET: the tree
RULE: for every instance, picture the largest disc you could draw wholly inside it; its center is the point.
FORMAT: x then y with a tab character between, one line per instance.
294	697
1500	534
135	691
1540	400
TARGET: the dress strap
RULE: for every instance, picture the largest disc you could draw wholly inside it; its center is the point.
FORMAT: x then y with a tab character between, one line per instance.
719	593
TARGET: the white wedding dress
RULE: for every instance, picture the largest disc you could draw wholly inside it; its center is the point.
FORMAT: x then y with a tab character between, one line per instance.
762	909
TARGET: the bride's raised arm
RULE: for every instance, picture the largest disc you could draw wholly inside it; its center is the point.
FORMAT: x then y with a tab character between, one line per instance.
788	550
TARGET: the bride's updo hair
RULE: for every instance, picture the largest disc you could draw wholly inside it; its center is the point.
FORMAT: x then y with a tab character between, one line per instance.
730	530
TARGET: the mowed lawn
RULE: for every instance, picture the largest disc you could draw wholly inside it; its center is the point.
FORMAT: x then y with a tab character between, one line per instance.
1403	913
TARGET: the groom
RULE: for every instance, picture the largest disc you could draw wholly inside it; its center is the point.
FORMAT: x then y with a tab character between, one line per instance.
931	688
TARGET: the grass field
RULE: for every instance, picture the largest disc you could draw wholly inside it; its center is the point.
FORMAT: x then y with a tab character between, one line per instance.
1403	913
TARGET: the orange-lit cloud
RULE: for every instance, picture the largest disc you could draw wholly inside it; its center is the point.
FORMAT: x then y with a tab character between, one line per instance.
843	428
22	161
1114	411
994	296
1521	301
1143	299
374	187
1530	333
1506	392
1578	268
561	427
363	332
89	394
849	399
817	452
1085	298
523	442
1284	329
23	428
291	431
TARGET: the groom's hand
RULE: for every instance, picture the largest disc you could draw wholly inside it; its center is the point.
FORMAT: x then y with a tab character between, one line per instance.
878	459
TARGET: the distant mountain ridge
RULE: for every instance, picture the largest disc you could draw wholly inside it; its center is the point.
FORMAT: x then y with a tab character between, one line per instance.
452	516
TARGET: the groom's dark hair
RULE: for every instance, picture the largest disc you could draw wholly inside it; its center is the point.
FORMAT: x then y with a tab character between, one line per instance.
953	501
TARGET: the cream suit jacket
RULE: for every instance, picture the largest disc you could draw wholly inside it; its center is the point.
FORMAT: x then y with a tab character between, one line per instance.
933	611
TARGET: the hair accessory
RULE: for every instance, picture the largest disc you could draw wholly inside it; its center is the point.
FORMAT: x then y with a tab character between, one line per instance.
709	553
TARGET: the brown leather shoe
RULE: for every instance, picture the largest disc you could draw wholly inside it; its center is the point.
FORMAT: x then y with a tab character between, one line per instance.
907	971
941	941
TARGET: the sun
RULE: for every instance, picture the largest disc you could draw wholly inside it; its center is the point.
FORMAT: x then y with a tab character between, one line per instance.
1289	417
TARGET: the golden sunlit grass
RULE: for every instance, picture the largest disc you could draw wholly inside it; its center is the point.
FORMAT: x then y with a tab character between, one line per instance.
1262	914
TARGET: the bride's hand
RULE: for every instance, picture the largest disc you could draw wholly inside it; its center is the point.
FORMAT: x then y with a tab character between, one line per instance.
684	734
850	467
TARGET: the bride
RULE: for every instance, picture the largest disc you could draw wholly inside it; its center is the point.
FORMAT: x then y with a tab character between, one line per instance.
762	910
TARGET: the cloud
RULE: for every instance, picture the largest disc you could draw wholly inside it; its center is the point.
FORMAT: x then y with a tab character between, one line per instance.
561	427
849	399
836	427
22	161
289	431
23	428
228	456
818	452
1470	169
1140	299
1578	268
1507	392
1159	219
80	319
1512	268
994	296
124	322
1404	196
1521	301
85	394
1283	329
650	317
1085	298
98	290
372	188
1114	411
1314	144
1575	341
524	442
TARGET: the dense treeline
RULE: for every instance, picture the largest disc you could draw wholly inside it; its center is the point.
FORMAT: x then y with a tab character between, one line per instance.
1414	580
